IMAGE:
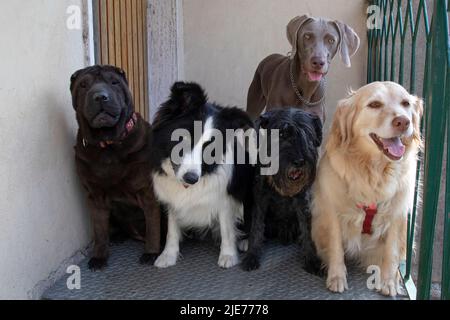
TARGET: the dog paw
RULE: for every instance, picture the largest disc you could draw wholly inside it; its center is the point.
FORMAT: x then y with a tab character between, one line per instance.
250	262
166	260
148	258
337	284
389	287
97	264
227	261
243	245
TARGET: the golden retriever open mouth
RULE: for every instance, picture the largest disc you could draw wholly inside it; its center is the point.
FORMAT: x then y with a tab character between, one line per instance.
393	148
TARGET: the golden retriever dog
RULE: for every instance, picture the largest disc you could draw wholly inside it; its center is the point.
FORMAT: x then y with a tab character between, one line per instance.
365	183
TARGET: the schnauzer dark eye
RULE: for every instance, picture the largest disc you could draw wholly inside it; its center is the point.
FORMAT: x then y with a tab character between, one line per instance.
83	85
375	105
406	103
115	82
299	162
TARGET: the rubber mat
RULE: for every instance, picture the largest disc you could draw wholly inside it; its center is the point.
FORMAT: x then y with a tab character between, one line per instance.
198	277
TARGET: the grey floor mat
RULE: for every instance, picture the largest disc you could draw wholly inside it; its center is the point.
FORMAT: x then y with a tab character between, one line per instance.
197	277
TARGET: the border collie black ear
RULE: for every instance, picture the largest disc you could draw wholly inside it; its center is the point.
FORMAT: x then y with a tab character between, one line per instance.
184	97
187	95
236	119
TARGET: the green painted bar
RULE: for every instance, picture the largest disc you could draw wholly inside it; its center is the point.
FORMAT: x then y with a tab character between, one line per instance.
445	294
421	11
402	33
394	25
435	124
445	285
386	50
411	217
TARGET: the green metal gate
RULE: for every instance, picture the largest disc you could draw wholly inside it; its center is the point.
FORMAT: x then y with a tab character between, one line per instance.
400	24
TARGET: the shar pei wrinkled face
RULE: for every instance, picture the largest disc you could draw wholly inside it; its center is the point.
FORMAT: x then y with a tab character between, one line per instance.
103	102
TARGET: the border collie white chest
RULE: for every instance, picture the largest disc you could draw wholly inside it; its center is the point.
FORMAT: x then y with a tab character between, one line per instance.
199	192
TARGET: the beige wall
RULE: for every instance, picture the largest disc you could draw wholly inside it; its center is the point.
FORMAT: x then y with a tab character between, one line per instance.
42	217
226	40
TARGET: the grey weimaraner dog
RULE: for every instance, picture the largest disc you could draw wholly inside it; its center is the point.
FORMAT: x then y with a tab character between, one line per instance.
298	80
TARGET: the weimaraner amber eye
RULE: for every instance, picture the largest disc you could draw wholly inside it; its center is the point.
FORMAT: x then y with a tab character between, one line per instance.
307	37
375	105
332	41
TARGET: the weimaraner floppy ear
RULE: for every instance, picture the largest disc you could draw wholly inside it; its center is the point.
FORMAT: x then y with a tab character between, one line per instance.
349	42
293	28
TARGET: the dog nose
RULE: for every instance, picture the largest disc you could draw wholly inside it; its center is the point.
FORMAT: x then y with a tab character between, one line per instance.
318	63
401	123
191	178
101	96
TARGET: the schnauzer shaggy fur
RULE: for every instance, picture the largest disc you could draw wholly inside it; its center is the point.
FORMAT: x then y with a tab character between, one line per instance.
281	207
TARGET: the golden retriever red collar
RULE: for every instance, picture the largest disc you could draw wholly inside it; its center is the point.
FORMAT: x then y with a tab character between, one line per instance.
370	211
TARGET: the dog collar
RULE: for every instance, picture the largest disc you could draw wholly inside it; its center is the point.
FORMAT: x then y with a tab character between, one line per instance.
128	128
297	91
370	210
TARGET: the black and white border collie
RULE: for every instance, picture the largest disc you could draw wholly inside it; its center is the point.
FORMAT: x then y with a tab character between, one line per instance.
199	195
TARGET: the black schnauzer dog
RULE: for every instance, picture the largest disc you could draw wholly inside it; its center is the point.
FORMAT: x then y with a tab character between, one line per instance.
281	206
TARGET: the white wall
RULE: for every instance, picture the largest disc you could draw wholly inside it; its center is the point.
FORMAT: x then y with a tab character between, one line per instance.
42	217
226	40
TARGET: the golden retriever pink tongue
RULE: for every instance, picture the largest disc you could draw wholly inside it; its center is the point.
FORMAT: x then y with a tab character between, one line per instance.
394	146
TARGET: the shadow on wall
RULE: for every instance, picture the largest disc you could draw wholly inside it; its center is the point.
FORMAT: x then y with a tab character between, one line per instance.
62	133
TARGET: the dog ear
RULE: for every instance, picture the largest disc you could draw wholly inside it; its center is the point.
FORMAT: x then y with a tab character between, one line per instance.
184	97
237	118
318	127
187	96
293	28
341	132
349	42
263	121
74	78
123	74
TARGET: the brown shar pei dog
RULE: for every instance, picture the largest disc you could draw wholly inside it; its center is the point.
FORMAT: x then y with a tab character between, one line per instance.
113	162
298	80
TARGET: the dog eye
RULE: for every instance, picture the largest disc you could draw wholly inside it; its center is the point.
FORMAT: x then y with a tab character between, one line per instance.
83	85
332	41
115	82
307	37
406	103
375	105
